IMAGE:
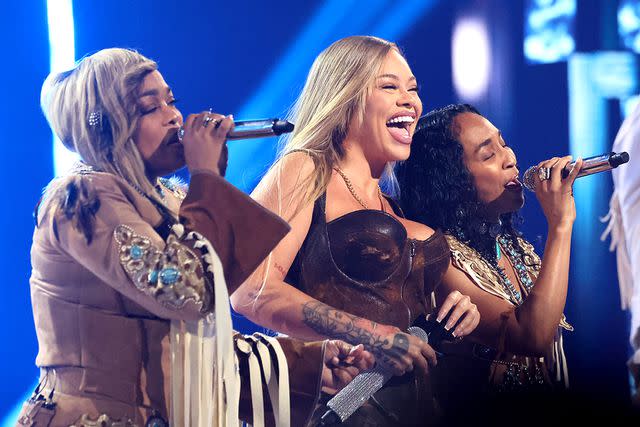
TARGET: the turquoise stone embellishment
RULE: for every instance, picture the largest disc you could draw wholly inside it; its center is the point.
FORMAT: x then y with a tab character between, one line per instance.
520	269
153	277
136	252
169	275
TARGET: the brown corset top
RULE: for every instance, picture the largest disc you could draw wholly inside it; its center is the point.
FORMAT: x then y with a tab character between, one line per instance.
364	263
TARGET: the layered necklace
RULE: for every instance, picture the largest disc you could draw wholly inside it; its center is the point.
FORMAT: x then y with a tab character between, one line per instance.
349	185
517	260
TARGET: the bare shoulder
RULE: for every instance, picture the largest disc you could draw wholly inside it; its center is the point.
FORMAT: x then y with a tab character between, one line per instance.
286	173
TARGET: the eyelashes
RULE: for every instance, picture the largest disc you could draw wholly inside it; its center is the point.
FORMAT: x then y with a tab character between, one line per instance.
415	89
506	146
171	102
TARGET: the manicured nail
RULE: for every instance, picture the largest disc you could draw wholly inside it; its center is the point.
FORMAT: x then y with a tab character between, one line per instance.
448	325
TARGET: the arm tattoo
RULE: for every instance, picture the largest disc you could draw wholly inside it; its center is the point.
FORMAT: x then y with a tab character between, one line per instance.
337	324
280	269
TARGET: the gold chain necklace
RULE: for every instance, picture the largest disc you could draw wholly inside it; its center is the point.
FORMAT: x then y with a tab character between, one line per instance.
349	185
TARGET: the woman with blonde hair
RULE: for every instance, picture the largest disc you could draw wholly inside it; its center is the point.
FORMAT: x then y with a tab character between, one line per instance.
352	267
130	271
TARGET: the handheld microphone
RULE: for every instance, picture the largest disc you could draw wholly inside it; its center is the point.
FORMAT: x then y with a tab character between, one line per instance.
367	383
590	165
246	129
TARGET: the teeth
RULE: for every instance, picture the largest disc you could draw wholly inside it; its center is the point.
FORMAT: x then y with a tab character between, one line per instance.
402	119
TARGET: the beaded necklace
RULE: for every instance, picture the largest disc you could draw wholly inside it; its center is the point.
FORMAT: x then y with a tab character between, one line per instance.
517	260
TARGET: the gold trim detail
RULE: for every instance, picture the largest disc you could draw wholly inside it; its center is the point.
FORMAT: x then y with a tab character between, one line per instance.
483	274
102	421
169	275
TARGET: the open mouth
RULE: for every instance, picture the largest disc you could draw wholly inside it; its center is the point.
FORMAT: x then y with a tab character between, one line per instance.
173	138
514	184
399	128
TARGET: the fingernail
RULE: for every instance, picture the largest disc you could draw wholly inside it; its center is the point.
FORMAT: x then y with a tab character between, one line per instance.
440	317
230	116
448	326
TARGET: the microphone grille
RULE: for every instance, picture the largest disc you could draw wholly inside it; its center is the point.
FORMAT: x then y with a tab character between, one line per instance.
528	178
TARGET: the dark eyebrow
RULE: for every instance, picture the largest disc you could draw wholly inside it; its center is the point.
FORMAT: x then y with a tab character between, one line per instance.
486	142
153	92
394	77
483	144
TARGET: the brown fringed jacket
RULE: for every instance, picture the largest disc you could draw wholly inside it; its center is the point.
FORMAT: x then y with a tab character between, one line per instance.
109	275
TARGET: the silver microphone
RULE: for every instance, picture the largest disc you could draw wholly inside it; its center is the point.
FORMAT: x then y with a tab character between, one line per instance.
590	165
245	129
361	388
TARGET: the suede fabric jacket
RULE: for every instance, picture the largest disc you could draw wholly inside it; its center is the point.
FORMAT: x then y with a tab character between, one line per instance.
103	296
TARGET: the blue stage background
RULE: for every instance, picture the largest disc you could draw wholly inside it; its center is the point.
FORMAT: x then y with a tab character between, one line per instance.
250	58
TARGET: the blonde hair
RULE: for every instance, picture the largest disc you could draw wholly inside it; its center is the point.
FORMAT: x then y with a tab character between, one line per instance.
107	83
335	92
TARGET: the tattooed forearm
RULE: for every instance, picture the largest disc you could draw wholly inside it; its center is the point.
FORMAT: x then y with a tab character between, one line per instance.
280	269
333	323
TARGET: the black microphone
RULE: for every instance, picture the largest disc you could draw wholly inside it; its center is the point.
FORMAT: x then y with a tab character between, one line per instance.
590	165
245	129
367	383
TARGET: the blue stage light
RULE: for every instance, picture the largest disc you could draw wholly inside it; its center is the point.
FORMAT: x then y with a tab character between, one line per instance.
335	19
594	78
471	58
62	48
629	24
549	28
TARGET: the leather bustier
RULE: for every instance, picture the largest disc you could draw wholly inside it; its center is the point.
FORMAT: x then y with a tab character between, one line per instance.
364	263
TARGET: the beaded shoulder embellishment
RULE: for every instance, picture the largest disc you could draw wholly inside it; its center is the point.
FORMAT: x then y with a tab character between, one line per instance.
488	279
479	271
175	186
169	275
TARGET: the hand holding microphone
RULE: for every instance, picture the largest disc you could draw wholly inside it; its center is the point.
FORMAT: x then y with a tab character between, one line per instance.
554	193
367	383
590	165
552	181
204	138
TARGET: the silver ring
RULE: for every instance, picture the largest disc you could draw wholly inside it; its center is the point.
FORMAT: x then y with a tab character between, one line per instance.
206	121
544	173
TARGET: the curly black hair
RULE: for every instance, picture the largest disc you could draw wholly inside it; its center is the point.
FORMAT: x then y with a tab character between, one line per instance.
437	188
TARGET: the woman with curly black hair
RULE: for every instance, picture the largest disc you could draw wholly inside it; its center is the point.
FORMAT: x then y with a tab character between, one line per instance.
462	178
